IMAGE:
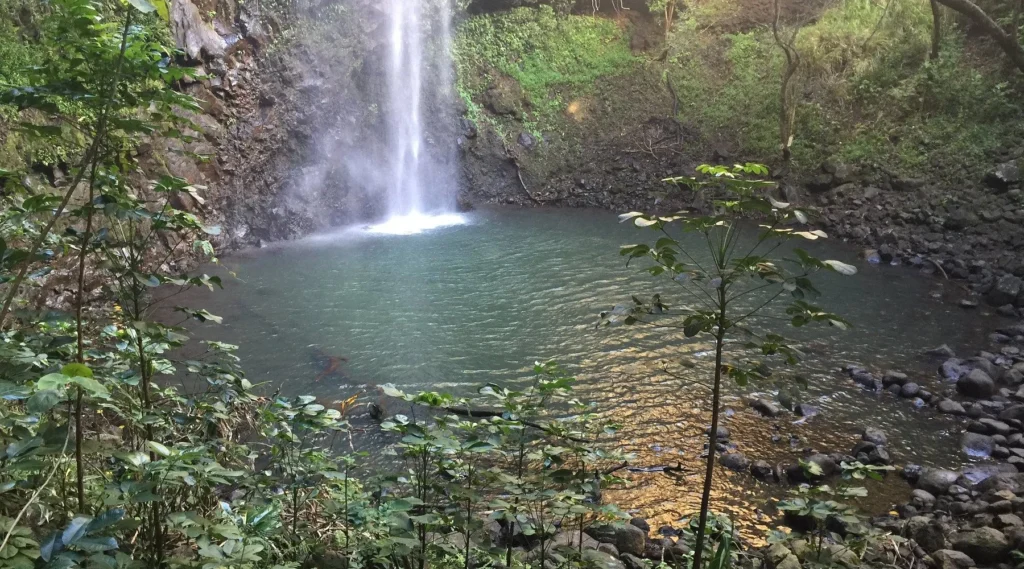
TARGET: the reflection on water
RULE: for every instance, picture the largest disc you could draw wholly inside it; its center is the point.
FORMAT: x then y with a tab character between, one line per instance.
462	306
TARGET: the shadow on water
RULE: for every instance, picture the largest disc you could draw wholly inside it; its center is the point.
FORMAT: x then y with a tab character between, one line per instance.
455	308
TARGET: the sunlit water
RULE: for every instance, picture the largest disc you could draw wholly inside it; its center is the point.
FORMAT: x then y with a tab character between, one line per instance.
459	306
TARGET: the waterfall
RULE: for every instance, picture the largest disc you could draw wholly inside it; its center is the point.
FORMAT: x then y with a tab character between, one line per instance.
421	184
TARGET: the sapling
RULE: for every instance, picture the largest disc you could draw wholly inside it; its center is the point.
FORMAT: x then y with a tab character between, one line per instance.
725	276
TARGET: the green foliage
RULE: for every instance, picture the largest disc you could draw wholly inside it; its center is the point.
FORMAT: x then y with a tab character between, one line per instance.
867	90
548	55
820	510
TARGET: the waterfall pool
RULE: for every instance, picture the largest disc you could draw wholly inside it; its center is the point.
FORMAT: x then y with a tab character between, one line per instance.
464	305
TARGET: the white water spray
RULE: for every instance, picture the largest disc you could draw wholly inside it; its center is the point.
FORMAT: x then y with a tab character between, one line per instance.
421	185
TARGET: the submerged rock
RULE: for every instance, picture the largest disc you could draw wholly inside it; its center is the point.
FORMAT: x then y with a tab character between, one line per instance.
894	378
806	410
943	351
766	407
735	461
761	470
874	435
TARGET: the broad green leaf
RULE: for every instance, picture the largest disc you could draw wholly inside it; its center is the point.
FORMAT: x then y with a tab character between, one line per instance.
22	447
92	386
135	458
158	448
52	381
76	370
43	401
106	519
75	530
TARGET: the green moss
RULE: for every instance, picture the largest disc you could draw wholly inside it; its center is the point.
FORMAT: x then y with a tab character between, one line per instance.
551	56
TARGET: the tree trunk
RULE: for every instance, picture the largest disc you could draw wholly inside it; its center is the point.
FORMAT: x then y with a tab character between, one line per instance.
787	91
936	29
705	499
1008	42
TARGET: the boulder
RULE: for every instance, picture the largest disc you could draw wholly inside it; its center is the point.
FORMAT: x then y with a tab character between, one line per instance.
597	559
640	523
571	539
1008	520
922	499
951	559
926	532
998	482
1012	413
879	456
1005	290
632	561
895	377
630	539
984	544
761	470
609	549
951	407
722	433
976	384
1003	176
994	427
936	480
977	445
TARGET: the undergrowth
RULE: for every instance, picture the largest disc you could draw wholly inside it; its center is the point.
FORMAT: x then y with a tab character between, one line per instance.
868	92
548	55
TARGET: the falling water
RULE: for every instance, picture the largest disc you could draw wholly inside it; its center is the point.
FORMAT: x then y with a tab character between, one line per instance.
420	191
